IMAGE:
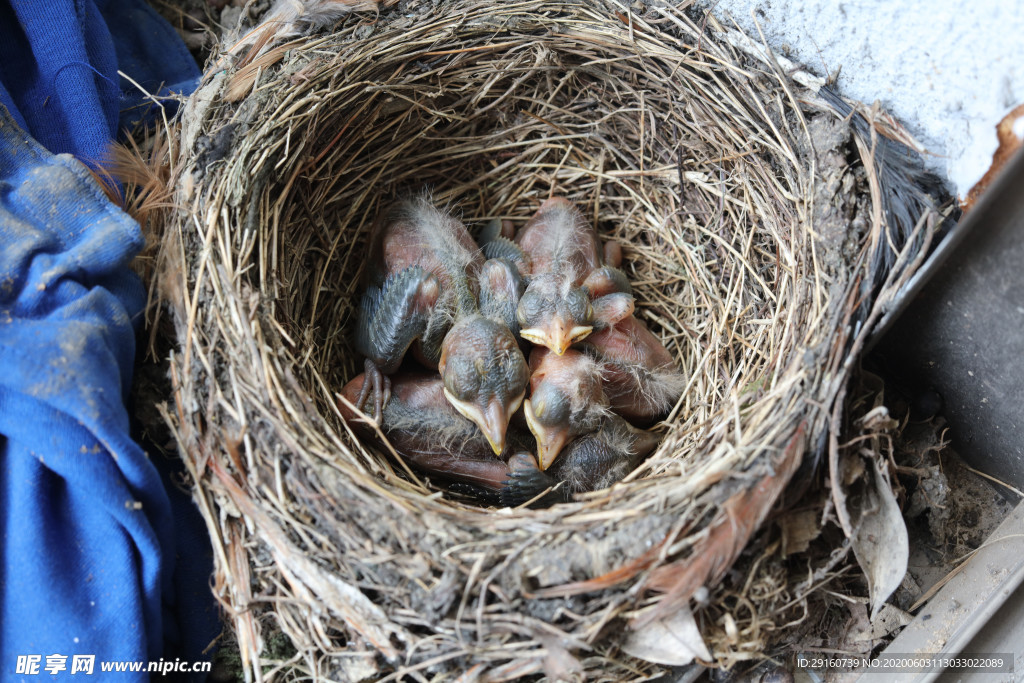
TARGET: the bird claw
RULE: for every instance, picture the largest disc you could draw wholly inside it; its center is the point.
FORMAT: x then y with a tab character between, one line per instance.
526	481
376	387
386	394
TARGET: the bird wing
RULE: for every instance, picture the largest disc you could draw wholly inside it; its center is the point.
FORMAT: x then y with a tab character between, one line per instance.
394	315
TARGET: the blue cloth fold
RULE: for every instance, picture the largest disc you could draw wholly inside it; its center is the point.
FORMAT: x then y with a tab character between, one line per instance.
59	63
84	514
97	556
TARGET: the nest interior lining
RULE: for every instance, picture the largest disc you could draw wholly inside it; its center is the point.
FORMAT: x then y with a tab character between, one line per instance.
700	164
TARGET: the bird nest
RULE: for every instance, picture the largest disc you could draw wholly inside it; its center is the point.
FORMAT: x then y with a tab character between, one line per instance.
758	234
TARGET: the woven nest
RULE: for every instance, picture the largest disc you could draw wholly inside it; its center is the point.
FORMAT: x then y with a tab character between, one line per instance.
760	236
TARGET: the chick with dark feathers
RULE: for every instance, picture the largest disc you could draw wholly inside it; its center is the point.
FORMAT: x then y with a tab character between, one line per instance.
559	249
423	276
566	400
485	374
591	462
563	285
429	434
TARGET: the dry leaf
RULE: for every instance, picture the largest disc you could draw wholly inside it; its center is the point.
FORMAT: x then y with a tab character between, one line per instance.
674	640
560	664
852	470
880	541
361	667
1010	133
857	630
798	530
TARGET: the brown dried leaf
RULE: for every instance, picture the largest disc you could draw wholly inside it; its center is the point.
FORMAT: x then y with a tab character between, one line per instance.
798	530
852	470
560	664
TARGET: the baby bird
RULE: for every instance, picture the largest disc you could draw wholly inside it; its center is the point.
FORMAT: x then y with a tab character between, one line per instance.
566	400
591	462
641	379
424	272
559	249
430	434
501	286
484	373
568	289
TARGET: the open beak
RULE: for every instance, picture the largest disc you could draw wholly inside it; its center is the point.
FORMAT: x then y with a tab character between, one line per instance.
550	440
492	420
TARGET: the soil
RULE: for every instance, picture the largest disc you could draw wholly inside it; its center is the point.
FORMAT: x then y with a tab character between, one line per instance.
950	509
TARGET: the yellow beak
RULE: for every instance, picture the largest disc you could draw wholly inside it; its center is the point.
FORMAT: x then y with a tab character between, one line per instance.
492	420
550	439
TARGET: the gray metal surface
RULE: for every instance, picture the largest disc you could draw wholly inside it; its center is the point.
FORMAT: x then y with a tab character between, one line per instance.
1004	632
960	617
961	330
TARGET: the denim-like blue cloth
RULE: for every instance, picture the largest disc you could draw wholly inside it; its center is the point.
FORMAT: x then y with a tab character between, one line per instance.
98	554
58	69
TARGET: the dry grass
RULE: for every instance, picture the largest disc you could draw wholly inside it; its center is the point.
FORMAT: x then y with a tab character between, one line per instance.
755	234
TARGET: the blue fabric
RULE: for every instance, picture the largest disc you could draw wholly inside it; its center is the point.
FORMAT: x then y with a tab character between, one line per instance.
58	69
99	555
